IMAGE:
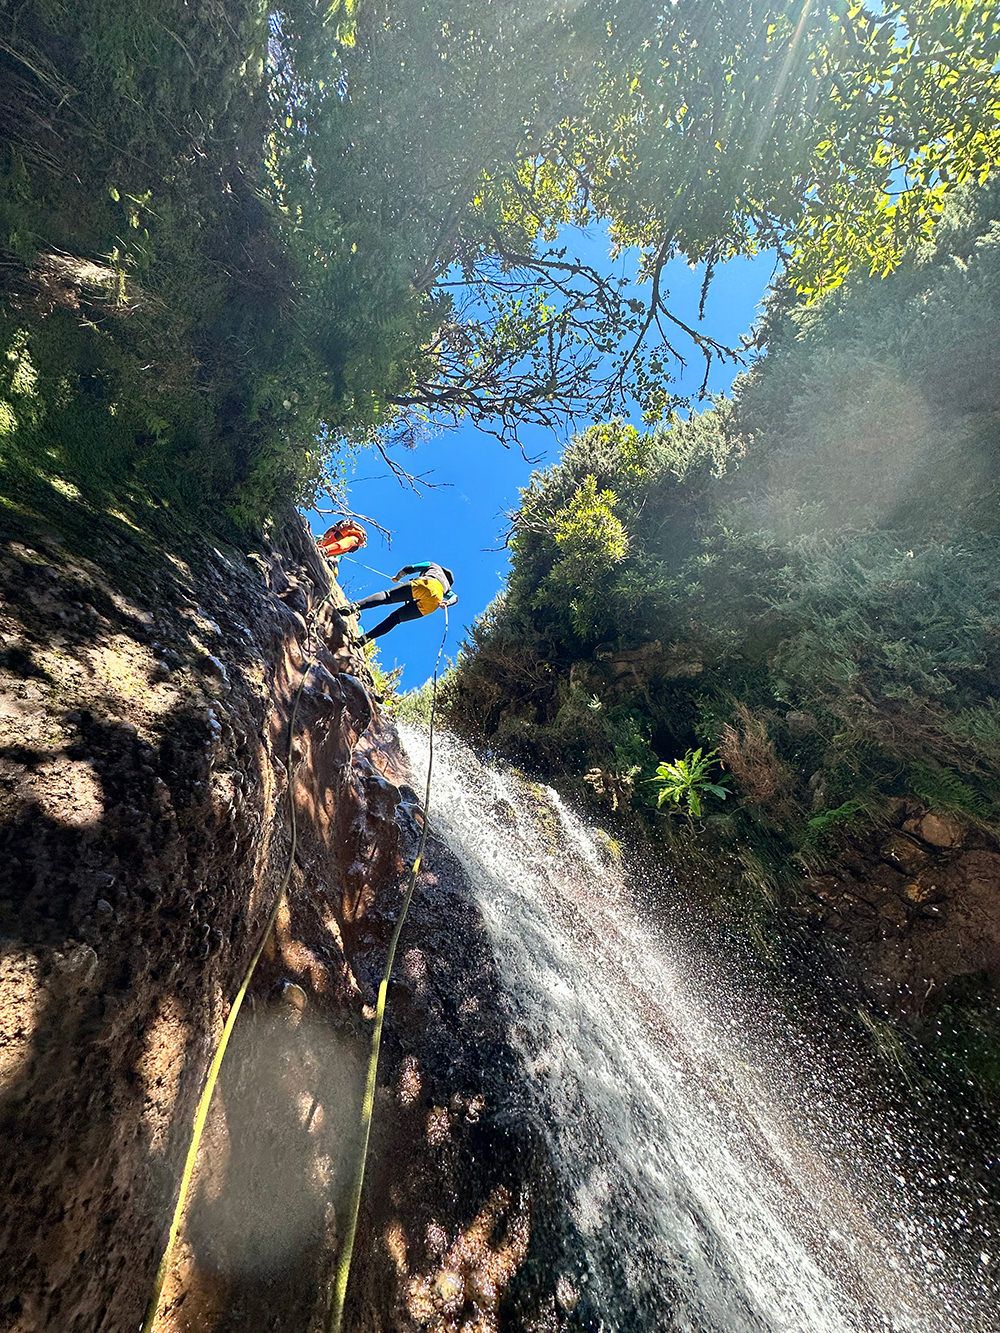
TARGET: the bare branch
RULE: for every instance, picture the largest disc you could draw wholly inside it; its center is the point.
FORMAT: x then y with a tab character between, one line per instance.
535	339
411	480
343	510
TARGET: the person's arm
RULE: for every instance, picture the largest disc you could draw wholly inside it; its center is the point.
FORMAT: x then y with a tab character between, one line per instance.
449	600
410	569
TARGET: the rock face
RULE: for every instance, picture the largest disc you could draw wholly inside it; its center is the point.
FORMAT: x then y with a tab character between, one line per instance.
630	672
916	909
147	699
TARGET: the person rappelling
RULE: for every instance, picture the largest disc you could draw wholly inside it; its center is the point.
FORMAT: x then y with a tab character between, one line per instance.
429	588
344	537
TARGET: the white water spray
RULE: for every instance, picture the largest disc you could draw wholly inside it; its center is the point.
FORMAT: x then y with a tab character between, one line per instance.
706	1195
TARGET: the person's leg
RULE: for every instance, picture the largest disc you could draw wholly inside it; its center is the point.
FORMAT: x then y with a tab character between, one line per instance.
408	612
400	594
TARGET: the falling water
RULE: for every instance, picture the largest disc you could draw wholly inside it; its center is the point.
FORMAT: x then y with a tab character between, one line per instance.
717	1176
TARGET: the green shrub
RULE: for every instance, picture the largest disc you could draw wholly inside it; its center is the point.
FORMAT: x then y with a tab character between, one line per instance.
685	782
414	706
841	817
806	571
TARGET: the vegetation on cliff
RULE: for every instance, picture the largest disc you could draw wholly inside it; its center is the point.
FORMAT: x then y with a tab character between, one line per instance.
232	235
803	577
817	548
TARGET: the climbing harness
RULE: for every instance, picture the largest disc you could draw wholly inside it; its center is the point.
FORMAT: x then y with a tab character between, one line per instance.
335	1314
212	1076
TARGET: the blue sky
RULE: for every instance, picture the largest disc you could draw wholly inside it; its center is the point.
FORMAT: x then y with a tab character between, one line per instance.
461	522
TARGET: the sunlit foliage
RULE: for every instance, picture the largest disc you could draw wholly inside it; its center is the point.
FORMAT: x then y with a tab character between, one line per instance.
271	230
684	783
808	577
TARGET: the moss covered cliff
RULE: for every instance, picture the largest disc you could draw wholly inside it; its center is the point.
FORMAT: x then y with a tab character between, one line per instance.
802	579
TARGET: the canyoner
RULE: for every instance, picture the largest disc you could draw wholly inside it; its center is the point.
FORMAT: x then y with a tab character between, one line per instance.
428	589
343	538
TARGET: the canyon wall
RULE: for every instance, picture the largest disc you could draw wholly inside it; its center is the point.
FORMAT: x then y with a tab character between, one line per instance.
147	699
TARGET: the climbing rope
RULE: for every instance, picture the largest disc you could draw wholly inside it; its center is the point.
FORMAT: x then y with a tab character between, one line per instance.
371	568
336	1311
212	1076
335	1314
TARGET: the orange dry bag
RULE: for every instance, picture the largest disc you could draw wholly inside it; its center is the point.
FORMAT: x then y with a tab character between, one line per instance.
342	538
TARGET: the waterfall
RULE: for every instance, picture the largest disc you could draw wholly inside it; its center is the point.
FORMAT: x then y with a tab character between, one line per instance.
717	1177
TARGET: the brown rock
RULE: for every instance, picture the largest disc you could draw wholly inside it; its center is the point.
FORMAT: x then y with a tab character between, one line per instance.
800	723
917	892
894	911
905	853
937	830
293	995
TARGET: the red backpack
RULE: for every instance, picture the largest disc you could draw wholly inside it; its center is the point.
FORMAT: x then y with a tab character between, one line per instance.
342	538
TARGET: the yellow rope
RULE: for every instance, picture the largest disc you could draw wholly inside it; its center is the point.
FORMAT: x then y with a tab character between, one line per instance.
335	1314
212	1076
336	1311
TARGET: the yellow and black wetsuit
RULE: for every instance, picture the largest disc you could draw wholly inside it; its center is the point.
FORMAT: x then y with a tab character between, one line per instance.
430	588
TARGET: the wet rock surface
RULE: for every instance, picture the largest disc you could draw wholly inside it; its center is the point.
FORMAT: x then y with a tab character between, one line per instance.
143	830
146	701
916	906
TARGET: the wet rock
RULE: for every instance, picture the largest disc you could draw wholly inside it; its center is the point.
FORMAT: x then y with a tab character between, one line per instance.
449	1289
567	1295
481	1288
504	812
920	892
937	830
293	996
904	852
295	597
79	964
800	723
211	666
894	912
357	701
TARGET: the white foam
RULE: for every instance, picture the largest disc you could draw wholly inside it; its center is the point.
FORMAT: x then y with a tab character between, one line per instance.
705	1199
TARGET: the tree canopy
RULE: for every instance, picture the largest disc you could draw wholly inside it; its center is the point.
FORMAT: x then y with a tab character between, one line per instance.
830	131
326	220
